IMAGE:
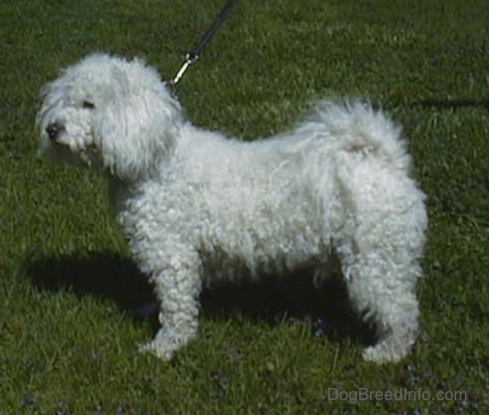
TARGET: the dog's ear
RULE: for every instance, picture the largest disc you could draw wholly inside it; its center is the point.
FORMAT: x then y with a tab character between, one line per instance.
137	123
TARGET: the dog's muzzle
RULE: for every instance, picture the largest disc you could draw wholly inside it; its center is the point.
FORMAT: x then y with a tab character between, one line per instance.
53	130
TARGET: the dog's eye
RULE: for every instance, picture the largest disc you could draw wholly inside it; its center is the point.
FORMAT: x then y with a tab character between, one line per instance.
88	104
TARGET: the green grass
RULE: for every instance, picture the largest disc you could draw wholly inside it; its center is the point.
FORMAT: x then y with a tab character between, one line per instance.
72	350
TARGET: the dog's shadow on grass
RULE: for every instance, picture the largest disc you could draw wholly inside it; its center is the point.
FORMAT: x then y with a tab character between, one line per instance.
453	104
273	300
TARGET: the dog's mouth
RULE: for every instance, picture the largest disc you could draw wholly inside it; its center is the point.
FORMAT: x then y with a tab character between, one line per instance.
84	157
62	153
57	145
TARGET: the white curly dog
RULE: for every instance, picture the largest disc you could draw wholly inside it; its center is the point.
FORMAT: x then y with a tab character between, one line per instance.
196	205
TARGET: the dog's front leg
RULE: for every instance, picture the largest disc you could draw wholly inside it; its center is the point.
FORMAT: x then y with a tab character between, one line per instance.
177	286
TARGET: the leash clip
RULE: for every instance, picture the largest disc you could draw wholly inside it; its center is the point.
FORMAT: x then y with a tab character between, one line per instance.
204	40
189	60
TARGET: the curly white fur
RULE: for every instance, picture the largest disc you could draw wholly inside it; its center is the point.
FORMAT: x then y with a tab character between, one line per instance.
196	205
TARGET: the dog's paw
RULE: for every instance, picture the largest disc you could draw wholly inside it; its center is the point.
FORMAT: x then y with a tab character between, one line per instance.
167	342
385	352
157	350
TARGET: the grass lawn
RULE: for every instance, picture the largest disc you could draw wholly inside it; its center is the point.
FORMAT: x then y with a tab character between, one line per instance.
73	308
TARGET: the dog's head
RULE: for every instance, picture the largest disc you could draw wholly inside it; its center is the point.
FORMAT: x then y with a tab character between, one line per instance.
109	113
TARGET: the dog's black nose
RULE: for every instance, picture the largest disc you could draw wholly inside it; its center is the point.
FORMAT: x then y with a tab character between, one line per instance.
52	130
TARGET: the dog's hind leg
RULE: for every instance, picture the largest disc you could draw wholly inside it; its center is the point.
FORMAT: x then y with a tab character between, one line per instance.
381	244
380	262
385	293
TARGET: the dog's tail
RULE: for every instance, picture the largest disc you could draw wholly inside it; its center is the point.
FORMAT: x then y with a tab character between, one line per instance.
358	129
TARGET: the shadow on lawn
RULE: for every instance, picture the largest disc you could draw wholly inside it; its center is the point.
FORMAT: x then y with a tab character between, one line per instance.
454	103
271	299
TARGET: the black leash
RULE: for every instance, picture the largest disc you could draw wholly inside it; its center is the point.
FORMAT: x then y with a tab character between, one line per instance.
194	54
